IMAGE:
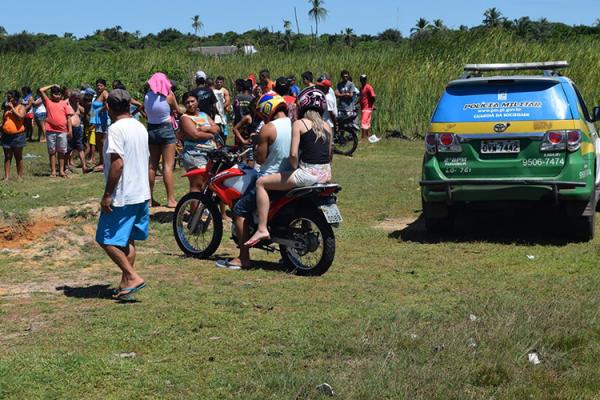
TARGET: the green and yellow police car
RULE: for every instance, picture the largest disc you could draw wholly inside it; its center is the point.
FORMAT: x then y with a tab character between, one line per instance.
512	139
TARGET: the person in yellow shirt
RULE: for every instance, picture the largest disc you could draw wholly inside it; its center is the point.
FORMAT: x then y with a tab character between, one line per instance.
13	133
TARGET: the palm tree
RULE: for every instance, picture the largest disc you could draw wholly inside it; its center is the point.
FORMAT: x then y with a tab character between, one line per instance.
348	36
493	17
196	24
2	31
438	25
318	13
421	26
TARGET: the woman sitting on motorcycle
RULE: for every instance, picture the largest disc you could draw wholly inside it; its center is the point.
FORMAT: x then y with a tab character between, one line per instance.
198	131
310	156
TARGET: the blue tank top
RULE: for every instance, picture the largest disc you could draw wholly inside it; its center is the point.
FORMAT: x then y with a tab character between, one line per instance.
278	159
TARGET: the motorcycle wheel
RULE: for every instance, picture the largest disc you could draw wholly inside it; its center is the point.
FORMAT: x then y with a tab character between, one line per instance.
345	142
311	228
197	225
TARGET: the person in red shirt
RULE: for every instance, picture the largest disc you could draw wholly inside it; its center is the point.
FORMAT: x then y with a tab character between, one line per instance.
367	105
58	127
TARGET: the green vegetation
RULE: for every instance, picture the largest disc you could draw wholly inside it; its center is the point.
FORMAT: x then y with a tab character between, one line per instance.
408	76
399	315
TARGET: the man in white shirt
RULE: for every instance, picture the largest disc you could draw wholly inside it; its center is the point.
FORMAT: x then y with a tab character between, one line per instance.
125	216
330	116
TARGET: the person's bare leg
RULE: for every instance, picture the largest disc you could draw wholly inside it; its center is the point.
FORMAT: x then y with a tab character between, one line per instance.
8	153
154	160
120	256
269	182
100	147
53	165
196	183
18	152
61	165
242	227
168	156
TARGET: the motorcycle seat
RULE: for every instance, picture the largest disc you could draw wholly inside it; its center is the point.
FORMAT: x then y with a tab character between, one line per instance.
319	188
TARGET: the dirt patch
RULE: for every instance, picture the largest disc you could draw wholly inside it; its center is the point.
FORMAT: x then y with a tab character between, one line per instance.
396	224
18	235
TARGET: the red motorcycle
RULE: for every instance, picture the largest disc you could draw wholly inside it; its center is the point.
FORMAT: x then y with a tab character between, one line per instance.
300	220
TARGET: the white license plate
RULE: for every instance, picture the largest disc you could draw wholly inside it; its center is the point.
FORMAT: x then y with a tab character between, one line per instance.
500	146
332	213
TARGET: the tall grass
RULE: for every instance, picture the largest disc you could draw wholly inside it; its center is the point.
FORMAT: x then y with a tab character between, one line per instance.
408	77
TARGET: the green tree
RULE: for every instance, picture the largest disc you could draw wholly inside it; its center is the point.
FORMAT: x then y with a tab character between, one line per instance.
318	13
196	24
493	18
438	25
389	35
348	36
421	26
2	31
287	39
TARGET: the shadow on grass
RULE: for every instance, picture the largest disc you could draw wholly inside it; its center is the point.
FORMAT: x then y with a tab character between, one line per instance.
520	228
94	292
162	217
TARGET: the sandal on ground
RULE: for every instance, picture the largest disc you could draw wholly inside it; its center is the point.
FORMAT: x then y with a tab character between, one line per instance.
128	292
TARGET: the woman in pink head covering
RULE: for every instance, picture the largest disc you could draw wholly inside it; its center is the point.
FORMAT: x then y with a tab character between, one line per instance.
160	105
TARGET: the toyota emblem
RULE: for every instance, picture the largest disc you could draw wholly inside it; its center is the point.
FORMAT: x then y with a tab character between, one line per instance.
499	128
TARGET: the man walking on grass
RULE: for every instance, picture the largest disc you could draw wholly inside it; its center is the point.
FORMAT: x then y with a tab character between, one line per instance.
124	217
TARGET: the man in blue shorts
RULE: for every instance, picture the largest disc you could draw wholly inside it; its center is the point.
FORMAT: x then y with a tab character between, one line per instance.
124	217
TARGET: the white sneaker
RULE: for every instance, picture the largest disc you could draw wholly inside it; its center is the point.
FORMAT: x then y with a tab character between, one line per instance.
374	139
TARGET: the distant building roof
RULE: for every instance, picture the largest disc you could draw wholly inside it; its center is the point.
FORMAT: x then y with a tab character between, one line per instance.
222	50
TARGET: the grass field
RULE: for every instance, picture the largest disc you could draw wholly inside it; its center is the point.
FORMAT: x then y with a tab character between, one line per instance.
401	314
408	77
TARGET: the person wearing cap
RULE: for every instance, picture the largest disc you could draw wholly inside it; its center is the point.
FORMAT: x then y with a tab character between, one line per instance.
124	216
207	101
367	105
58	125
330	116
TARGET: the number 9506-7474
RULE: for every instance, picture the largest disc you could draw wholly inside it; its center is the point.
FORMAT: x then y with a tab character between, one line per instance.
543	162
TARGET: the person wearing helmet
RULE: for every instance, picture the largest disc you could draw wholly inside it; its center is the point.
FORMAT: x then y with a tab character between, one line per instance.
310	156
273	154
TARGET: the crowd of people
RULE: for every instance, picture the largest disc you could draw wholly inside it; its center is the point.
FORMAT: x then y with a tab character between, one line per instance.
288	133
73	122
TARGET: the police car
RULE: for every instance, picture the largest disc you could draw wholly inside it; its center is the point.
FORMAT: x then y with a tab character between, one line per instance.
512	140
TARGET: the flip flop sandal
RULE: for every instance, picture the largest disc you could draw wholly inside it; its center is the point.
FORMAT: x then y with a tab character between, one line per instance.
130	291
226	264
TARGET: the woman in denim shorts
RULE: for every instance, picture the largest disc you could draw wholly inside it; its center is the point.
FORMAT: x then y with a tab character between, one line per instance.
198	131
13	133
160	104
39	115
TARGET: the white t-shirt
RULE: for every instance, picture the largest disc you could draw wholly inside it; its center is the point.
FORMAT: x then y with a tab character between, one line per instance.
129	139
331	107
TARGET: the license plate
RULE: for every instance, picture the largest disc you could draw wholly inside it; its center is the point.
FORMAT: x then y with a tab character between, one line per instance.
331	213
500	146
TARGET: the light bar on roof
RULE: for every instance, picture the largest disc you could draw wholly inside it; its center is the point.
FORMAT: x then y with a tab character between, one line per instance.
549	65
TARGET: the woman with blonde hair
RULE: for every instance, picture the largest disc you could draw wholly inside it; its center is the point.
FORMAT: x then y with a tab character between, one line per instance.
310	156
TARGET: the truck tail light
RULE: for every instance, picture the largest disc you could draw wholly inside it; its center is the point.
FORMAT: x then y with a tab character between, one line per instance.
554	141
573	140
431	143
561	140
448	143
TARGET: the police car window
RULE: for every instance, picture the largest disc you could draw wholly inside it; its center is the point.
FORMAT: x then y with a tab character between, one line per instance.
584	108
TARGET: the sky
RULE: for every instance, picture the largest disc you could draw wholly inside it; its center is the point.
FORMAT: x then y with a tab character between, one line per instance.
364	16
